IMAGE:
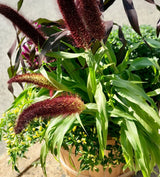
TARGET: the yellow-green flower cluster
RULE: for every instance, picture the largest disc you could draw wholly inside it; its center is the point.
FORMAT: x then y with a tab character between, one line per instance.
17	145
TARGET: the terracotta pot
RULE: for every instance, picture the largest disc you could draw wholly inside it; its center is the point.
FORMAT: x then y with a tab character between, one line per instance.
71	165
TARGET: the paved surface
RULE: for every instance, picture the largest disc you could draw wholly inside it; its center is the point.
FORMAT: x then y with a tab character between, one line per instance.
48	9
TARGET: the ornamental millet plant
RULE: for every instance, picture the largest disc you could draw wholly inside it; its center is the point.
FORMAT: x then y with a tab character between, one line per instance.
60	105
81	30
89	90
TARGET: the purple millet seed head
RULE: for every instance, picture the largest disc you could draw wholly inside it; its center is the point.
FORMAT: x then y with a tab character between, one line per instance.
63	105
74	23
34	78
27	28
90	12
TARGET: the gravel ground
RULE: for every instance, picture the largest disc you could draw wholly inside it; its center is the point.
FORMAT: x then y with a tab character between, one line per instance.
39	8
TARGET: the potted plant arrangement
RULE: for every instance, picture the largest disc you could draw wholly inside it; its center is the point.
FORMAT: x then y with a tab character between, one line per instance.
93	107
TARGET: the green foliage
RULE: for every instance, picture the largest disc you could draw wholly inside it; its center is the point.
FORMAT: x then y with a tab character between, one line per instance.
132	38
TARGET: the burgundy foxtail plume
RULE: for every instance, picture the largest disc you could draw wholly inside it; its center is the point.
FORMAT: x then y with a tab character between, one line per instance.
90	12
74	22
34	78
62	105
27	28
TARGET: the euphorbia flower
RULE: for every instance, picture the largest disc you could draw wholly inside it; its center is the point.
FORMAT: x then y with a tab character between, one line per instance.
34	78
27	28
62	105
74	23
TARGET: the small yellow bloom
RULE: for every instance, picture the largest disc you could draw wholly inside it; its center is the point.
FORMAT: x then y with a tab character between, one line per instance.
13	135
29	138
11	129
83	141
34	136
40	128
10	124
93	160
20	106
74	128
23	143
8	142
37	134
29	94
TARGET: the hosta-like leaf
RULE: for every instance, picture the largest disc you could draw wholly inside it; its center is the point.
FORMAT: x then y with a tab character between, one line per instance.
132	15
